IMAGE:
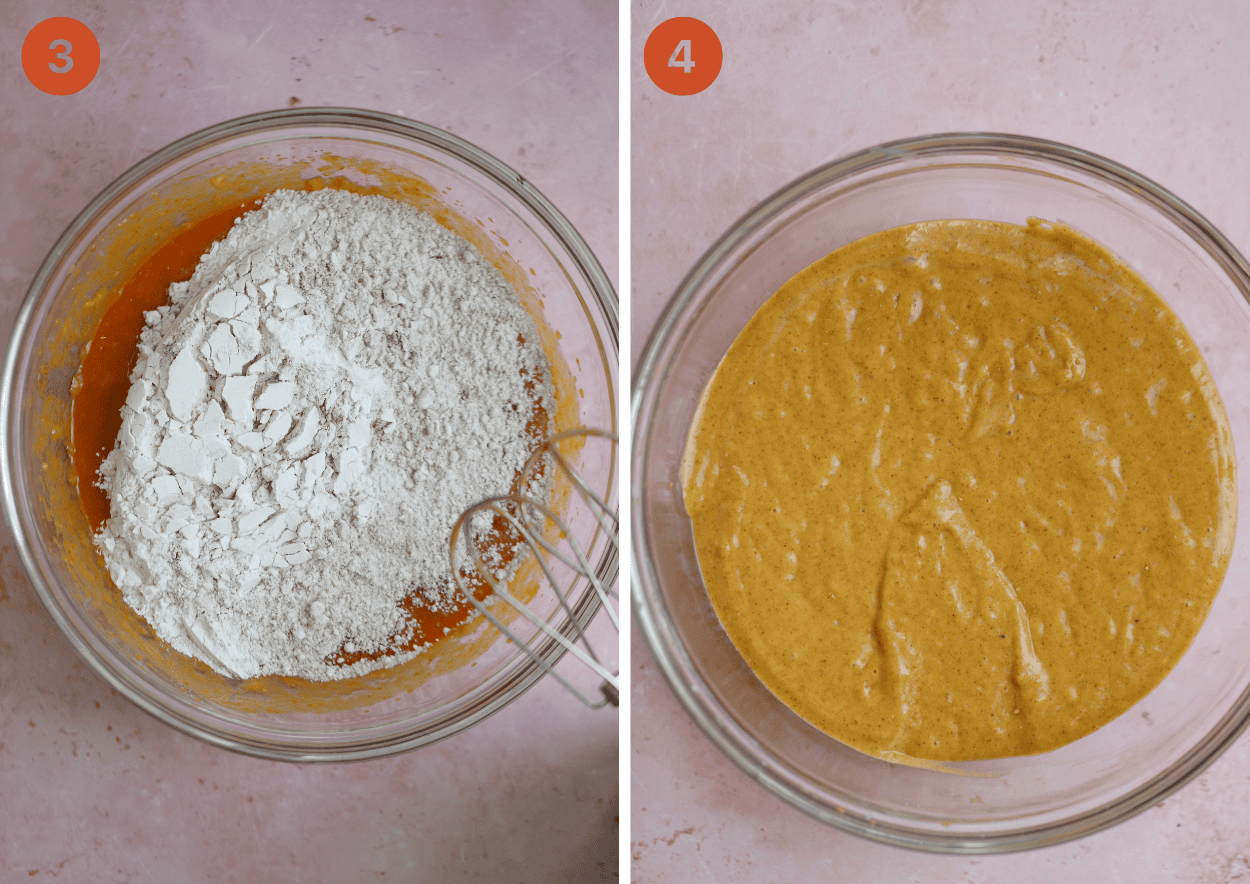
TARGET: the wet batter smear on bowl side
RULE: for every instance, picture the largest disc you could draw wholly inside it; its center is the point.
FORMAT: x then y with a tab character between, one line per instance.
310	412
962	490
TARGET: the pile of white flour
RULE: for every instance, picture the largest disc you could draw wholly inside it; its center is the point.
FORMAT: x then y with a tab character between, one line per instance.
340	378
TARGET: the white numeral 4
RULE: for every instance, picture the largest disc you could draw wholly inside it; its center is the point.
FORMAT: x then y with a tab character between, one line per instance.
681	57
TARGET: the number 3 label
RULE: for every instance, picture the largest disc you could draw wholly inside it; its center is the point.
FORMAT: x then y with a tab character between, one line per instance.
682	56
60	56
66	64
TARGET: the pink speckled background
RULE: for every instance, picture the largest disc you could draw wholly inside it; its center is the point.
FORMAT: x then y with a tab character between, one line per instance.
92	789
1161	87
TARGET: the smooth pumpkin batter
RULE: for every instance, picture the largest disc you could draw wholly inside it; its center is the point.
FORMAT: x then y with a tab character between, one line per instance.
962	490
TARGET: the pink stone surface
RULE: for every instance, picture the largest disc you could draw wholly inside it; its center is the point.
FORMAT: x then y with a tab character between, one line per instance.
1160	87
92	789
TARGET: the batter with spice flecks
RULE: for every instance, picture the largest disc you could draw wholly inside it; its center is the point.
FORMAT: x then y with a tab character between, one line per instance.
962	490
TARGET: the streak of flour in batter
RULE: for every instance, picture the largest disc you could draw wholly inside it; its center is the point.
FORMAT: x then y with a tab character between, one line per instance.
338	380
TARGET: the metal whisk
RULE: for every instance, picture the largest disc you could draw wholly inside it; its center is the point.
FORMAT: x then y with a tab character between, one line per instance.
550	539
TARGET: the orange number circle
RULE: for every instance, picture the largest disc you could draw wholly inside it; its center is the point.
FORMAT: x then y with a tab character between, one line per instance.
682	56
60	56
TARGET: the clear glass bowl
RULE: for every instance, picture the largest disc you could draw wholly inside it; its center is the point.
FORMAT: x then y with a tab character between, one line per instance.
1134	761
229	164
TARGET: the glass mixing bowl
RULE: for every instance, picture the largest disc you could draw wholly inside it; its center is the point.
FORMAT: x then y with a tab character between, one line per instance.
1131	763
225	166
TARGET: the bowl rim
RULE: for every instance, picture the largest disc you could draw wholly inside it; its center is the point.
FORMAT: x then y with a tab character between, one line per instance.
601	292
649	609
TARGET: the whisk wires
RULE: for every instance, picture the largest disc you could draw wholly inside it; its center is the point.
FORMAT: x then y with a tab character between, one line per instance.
552	540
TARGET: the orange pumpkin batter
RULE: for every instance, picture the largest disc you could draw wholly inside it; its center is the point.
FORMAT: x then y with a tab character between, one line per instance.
962	490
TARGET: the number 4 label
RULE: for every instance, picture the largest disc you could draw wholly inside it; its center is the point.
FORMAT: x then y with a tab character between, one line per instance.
681	56
670	56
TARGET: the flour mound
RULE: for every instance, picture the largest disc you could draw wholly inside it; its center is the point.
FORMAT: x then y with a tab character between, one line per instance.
339	379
